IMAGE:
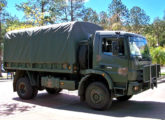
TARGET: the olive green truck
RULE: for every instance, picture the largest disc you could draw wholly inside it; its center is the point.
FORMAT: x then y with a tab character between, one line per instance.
101	65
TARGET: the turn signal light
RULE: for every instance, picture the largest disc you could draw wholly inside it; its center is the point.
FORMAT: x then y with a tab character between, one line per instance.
136	88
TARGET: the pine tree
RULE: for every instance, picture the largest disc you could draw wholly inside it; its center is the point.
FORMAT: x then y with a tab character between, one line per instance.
118	13
3	14
68	10
104	20
138	19
90	16
36	11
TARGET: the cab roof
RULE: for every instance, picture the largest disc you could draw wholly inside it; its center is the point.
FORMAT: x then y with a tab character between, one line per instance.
118	33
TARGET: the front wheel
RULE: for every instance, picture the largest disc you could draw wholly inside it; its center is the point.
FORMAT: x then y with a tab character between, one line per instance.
98	96
124	98
25	90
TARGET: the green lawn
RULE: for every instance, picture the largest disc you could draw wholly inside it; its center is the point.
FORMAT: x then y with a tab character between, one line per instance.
163	73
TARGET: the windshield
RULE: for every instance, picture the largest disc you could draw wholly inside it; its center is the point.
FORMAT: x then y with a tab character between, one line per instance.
139	48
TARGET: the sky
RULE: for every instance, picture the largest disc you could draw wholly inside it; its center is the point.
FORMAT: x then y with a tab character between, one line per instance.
153	8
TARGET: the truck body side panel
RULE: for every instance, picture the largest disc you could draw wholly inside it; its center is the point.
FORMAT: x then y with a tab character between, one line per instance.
47	47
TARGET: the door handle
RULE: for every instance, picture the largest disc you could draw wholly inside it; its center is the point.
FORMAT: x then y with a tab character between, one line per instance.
105	67
109	67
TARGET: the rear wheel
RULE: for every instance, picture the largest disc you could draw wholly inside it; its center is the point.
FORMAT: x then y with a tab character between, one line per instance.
35	92
124	98
53	90
25	90
98	97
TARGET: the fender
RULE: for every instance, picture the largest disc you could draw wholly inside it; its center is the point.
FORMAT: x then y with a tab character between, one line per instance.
88	73
18	75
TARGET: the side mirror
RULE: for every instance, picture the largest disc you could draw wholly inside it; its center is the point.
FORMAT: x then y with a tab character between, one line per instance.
115	48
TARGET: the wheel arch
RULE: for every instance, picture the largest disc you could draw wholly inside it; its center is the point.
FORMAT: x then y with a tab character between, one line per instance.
88	78
18	74
21	73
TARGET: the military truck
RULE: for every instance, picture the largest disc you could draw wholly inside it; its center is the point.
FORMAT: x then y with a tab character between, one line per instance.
101	65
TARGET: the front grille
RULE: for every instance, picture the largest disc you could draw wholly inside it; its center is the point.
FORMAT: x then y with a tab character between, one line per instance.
151	72
140	75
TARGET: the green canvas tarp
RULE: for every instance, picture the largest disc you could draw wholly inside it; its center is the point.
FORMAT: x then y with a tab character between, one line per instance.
56	43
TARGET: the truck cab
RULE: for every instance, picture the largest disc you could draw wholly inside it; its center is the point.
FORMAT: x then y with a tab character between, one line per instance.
125	59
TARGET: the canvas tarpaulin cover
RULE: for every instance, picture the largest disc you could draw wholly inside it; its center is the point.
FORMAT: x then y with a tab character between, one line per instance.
56	43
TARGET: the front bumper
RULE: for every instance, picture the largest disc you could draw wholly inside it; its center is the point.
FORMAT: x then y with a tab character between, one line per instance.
136	87
149	76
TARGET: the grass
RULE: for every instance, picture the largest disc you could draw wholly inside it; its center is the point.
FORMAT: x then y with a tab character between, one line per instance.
163	73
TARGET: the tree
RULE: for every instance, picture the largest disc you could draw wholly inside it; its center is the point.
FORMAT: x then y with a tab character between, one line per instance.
138	19
148	33
90	16
68	10
13	23
59	10
118	12
104	20
3	14
36	11
159	30
75	9
155	33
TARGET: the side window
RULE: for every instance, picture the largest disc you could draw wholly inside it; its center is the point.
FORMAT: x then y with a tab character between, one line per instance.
107	46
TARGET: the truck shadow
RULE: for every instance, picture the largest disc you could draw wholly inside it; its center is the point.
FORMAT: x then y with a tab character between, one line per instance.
139	109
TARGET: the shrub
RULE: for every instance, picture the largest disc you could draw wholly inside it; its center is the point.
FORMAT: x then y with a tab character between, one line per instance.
158	55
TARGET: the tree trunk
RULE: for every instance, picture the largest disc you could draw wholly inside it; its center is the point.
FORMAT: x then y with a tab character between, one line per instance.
66	15
158	39
71	12
42	11
0	46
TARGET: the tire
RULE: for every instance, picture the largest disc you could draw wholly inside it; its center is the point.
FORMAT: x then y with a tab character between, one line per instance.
25	90
98	97
53	90
124	98
83	56
35	92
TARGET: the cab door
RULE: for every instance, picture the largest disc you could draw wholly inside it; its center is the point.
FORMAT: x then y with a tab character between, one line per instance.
114	58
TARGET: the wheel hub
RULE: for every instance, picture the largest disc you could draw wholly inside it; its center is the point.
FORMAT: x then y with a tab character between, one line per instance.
22	88
96	96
